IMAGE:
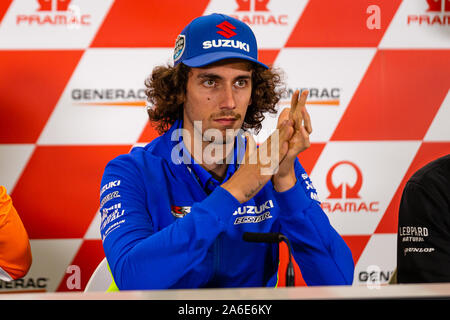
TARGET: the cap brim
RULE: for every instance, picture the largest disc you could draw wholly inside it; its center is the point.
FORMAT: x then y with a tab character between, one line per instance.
208	58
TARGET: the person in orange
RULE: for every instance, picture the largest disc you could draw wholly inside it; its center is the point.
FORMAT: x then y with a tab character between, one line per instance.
15	251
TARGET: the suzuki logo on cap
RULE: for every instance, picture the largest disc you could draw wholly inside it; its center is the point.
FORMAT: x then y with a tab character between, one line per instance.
226	29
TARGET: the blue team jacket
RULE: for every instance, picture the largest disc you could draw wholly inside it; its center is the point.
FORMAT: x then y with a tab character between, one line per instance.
160	229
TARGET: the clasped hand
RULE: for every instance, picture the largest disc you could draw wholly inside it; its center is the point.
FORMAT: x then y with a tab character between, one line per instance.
275	157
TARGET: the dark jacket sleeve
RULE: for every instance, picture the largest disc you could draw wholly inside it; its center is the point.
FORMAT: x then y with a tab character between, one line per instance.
423	243
321	253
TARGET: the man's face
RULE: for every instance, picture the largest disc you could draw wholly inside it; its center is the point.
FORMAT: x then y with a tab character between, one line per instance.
218	95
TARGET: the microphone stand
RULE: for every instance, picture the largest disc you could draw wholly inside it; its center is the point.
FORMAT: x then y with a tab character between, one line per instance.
271	237
290	273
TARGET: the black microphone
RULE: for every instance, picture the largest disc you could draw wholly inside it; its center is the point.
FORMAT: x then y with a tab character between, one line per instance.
270	237
274	237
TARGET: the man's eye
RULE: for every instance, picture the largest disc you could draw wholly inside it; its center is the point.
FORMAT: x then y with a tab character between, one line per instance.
241	83
209	83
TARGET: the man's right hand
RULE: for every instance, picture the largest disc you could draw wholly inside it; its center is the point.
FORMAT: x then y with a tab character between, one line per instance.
259	164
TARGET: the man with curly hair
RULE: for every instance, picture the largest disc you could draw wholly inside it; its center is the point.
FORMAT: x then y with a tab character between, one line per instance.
174	212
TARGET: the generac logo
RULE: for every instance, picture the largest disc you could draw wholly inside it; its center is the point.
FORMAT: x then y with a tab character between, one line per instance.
318	96
108	97
56	13
255	12
345	197
437	13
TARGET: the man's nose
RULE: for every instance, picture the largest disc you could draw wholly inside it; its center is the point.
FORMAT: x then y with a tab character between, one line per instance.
227	100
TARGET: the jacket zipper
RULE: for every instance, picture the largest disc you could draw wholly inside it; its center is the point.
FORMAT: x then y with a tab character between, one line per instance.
216	250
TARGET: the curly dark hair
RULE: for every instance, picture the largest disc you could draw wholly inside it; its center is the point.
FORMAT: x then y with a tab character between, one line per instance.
166	90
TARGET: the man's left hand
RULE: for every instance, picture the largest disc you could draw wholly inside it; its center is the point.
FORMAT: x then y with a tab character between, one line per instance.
285	177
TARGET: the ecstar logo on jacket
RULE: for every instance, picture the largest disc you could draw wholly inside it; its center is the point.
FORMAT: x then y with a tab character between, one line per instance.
254	209
253	214
248	213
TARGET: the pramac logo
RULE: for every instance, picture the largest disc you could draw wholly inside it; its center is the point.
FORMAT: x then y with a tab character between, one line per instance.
255	12
47	5
344	190
436	14
345	197
438	5
55	13
244	5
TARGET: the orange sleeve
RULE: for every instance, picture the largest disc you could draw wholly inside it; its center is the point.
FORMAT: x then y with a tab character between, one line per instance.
15	251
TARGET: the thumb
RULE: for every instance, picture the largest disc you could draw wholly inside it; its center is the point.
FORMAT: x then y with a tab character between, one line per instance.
286	130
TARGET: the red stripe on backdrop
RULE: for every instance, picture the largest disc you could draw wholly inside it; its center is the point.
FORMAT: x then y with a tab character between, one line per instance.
267	56
398	97
31	83
146	23
57	195
308	158
4	5
357	244
148	134
83	265
344	23
428	152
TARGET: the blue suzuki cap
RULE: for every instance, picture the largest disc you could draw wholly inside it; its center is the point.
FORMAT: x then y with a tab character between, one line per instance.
215	37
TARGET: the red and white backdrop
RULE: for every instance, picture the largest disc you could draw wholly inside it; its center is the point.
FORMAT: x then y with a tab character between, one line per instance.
72	98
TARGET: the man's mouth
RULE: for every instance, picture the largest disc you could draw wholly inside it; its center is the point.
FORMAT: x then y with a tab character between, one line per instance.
225	120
